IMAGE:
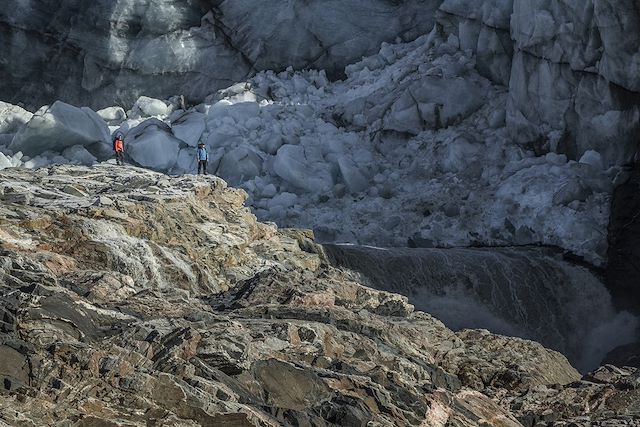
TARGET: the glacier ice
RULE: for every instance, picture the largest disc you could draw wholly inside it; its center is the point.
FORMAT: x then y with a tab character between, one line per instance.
12	117
188	127
240	164
151	144
303	168
113	115
115	51
571	67
149	107
416	127
58	127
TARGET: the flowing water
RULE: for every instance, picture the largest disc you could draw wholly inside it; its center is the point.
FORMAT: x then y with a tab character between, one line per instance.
525	292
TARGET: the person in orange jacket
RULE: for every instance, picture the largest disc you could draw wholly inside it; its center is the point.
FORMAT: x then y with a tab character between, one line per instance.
118	147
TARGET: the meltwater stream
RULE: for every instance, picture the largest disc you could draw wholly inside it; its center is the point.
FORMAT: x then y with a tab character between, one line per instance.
525	292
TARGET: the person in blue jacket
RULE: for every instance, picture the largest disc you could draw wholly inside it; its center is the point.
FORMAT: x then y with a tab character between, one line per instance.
203	158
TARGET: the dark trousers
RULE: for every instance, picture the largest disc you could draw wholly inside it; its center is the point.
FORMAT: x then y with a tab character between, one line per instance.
202	165
119	157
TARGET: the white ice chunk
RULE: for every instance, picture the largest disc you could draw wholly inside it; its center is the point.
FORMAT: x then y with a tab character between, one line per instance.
433	103
12	117
240	164
149	107
61	126
355	181
113	115
292	165
283	200
458	155
270	142
240	112
269	191
593	158
152	145
189	127
5	162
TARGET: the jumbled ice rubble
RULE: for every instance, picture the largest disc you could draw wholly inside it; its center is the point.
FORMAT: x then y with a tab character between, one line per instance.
414	126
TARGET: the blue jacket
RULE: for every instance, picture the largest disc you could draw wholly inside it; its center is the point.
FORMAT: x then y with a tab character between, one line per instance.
203	154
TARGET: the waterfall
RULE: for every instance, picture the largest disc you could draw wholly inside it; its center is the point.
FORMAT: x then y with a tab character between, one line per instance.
525	292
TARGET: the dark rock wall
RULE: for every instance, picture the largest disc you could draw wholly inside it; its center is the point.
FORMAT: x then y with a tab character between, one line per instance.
623	272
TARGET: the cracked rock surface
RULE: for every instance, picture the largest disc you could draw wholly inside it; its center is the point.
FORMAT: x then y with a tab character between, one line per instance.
129	298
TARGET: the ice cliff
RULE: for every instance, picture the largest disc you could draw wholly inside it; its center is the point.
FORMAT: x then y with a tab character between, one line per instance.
111	51
572	68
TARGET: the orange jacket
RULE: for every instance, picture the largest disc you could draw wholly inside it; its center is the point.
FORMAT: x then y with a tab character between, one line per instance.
118	145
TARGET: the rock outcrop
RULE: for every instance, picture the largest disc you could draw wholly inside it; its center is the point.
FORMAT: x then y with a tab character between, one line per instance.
131	298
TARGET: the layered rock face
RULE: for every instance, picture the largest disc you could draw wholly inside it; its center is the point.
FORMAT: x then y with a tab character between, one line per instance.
130	298
574	67
110	52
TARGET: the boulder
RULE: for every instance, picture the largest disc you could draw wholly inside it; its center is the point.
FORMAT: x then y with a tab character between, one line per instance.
14	368
290	387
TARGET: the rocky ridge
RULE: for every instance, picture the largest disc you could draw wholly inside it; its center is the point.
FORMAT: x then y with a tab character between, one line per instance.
132	298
